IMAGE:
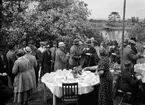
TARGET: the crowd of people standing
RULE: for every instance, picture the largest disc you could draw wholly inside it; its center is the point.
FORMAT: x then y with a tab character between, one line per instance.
25	65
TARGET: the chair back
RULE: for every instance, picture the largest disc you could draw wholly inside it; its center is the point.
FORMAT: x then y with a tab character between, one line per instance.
69	91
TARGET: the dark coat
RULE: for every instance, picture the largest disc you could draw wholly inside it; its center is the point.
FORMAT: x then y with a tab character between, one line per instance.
128	81
90	60
11	58
5	93
2	70
38	56
46	62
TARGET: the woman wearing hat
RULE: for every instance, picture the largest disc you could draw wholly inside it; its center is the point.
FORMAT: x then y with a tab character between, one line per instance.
33	62
61	58
23	82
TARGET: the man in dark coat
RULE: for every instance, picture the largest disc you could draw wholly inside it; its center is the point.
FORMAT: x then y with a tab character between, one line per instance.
46	61
53	54
5	93
90	54
11	58
3	75
130	83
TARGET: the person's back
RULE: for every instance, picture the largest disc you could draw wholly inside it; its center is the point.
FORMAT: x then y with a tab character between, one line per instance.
61	58
23	79
33	64
11	58
59	63
128	81
32	59
75	56
126	51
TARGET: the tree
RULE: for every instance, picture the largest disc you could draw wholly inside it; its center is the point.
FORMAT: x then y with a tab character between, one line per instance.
45	20
138	32
114	16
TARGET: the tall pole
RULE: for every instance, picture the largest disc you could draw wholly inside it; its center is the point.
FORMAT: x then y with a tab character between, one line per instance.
1	14
124	10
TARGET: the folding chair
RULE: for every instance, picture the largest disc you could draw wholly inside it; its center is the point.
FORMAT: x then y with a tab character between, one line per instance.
69	93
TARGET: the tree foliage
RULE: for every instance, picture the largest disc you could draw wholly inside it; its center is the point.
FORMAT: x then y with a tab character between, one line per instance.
114	16
138	32
44	20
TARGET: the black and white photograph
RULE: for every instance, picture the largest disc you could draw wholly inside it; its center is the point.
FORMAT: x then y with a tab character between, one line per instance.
72	52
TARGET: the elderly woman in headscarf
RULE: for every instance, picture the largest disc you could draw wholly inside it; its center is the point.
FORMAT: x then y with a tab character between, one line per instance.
106	79
23	82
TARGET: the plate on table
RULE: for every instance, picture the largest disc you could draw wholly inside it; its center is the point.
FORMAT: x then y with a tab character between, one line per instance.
87	72
88	54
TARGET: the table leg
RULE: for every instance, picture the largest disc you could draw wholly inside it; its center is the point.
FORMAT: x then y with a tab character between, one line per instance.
54	99
45	95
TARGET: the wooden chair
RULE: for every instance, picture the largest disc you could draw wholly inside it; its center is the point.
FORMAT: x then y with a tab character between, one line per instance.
69	93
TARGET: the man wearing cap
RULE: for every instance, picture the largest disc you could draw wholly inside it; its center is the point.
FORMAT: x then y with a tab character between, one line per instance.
75	54
61	58
129	54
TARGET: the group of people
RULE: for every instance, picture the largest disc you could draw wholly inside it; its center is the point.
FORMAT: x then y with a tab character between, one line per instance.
22	66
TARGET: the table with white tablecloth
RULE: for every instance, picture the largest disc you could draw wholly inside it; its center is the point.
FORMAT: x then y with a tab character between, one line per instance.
140	70
54	81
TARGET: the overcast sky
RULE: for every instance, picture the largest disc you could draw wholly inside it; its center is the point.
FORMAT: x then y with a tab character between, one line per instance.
100	9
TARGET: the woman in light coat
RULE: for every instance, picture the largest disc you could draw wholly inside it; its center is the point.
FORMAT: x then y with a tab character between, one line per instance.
23	82
33	63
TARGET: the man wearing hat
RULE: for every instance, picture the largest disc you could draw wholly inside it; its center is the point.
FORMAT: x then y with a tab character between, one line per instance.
129	82
90	55
129	54
75	54
46	61
11	58
61	58
42	47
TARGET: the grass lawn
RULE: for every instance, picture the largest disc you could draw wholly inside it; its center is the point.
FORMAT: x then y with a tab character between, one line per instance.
37	99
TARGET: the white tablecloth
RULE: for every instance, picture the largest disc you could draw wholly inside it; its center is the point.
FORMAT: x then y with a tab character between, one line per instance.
85	81
140	69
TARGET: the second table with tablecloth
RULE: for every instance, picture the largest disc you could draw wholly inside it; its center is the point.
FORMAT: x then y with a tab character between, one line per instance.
140	70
